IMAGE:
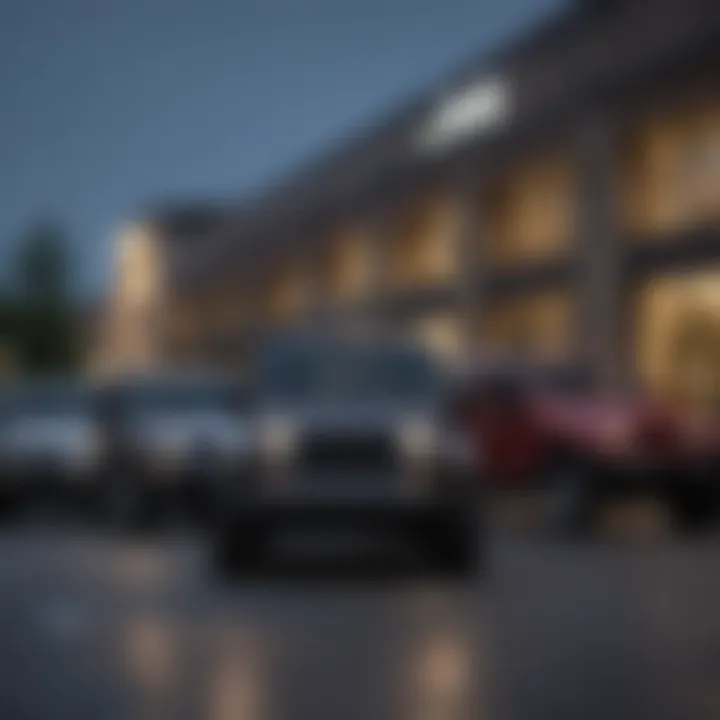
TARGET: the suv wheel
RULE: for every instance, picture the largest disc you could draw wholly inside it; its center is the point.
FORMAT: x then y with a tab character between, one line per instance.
236	551
450	544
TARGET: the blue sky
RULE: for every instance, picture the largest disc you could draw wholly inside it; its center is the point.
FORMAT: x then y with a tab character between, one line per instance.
106	105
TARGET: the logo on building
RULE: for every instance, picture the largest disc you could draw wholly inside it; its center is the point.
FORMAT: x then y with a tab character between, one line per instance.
465	114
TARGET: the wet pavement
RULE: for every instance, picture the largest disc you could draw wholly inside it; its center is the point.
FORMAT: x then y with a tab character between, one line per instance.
99	627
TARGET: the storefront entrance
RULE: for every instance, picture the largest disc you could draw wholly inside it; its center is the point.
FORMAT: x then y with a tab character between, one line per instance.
678	338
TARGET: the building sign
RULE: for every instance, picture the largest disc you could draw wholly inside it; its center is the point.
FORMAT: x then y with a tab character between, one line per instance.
465	114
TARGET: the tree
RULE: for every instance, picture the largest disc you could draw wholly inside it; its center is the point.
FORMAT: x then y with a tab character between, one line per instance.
44	307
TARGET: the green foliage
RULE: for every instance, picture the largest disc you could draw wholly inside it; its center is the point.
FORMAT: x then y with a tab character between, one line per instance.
39	317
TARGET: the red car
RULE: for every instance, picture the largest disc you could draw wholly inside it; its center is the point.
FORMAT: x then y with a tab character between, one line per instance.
547	429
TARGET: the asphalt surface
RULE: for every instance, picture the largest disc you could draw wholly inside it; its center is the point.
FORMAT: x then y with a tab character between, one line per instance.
100	627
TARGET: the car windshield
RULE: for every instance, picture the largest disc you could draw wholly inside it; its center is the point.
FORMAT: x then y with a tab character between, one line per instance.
41	401
326	372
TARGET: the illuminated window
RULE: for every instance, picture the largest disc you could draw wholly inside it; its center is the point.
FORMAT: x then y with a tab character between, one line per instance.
678	337
349	266
425	247
537	325
287	294
531	213
672	171
136	310
138	268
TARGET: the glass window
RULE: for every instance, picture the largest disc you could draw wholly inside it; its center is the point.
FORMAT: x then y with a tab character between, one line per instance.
425	247
678	337
308	370
672	171
349	265
287	293
531	213
537	325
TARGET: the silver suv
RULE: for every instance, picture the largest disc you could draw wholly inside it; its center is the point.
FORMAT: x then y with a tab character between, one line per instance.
347	434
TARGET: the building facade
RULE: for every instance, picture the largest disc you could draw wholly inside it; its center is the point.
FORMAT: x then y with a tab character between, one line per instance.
559	199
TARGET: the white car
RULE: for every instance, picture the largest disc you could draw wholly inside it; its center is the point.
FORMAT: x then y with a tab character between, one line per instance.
169	439
50	443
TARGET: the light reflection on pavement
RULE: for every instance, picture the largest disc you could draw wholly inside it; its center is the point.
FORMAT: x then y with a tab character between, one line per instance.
97	627
114	629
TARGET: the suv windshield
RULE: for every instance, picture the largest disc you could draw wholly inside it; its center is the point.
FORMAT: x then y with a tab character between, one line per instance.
324	372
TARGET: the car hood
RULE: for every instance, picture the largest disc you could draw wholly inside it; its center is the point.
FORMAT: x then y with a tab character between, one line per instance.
40	435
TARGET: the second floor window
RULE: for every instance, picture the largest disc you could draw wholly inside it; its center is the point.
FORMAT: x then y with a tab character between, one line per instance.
425	244
672	171
530	214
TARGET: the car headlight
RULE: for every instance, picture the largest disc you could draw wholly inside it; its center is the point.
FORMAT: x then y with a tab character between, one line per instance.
418	438
86	450
277	438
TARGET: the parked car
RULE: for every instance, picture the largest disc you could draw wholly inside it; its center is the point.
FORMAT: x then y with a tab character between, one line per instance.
50	444
167	440
547	429
350	435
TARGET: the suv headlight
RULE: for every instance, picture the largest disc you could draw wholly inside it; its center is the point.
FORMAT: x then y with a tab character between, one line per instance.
86	449
418	438
277	439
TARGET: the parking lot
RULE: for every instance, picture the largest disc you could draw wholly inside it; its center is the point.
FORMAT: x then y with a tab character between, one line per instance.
99	626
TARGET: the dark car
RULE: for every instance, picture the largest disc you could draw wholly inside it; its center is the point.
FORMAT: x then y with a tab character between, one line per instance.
351	435
50	444
168	440
586	452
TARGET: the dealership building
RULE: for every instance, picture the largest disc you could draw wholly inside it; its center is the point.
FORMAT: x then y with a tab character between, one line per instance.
558	199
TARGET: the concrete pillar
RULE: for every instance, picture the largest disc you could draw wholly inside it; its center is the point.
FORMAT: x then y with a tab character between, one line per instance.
379	229
600	252
469	283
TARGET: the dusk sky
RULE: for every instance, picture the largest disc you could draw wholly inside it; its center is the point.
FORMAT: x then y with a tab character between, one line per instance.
108	105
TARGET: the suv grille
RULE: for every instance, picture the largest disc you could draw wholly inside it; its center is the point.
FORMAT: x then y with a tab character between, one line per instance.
345	453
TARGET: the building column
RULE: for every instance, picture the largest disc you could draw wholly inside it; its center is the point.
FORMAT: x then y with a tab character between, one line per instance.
470	263
600	252
379	232
310	265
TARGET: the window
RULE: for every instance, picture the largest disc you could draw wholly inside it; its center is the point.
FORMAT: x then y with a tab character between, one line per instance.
425	246
678	338
287	293
138	268
672	171
537	325
531	214
349	265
